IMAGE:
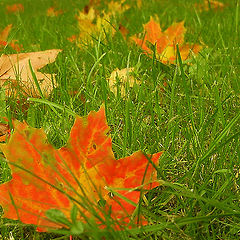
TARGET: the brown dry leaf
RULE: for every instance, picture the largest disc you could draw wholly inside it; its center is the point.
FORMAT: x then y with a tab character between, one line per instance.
208	5
15	70
121	77
4	131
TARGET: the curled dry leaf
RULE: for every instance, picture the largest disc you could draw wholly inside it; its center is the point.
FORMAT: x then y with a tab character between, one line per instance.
82	172
122	78
165	41
207	5
15	70
14	8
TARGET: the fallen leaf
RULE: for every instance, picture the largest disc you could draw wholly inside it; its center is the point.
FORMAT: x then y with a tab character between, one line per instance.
122	78
82	172
139	4
90	25
52	12
166	41
3	39
5	32
4	132
124	31
117	7
14	8
15	69
208	5
72	38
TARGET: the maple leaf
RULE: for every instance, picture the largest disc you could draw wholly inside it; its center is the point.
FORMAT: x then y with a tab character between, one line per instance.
117	7
166	41
15	69
81	172
4	36
90	25
208	5
121	77
15	8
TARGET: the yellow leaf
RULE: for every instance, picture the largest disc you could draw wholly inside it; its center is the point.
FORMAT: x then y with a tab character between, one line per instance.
91	23
117	7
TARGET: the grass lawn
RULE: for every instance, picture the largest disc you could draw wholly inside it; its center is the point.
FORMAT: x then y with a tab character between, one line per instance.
189	110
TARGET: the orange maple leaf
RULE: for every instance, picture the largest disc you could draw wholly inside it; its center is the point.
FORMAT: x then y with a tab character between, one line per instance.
82	172
166	41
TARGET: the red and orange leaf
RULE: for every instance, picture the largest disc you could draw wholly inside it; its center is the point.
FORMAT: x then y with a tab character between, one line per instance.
165	41
44	178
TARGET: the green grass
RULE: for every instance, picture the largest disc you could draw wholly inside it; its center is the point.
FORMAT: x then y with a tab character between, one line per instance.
194	119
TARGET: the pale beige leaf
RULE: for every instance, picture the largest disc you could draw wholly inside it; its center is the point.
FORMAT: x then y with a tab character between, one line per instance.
122	77
15	68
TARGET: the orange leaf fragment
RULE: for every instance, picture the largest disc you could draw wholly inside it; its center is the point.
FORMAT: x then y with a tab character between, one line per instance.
46	178
14	8
52	12
166	41
3	39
